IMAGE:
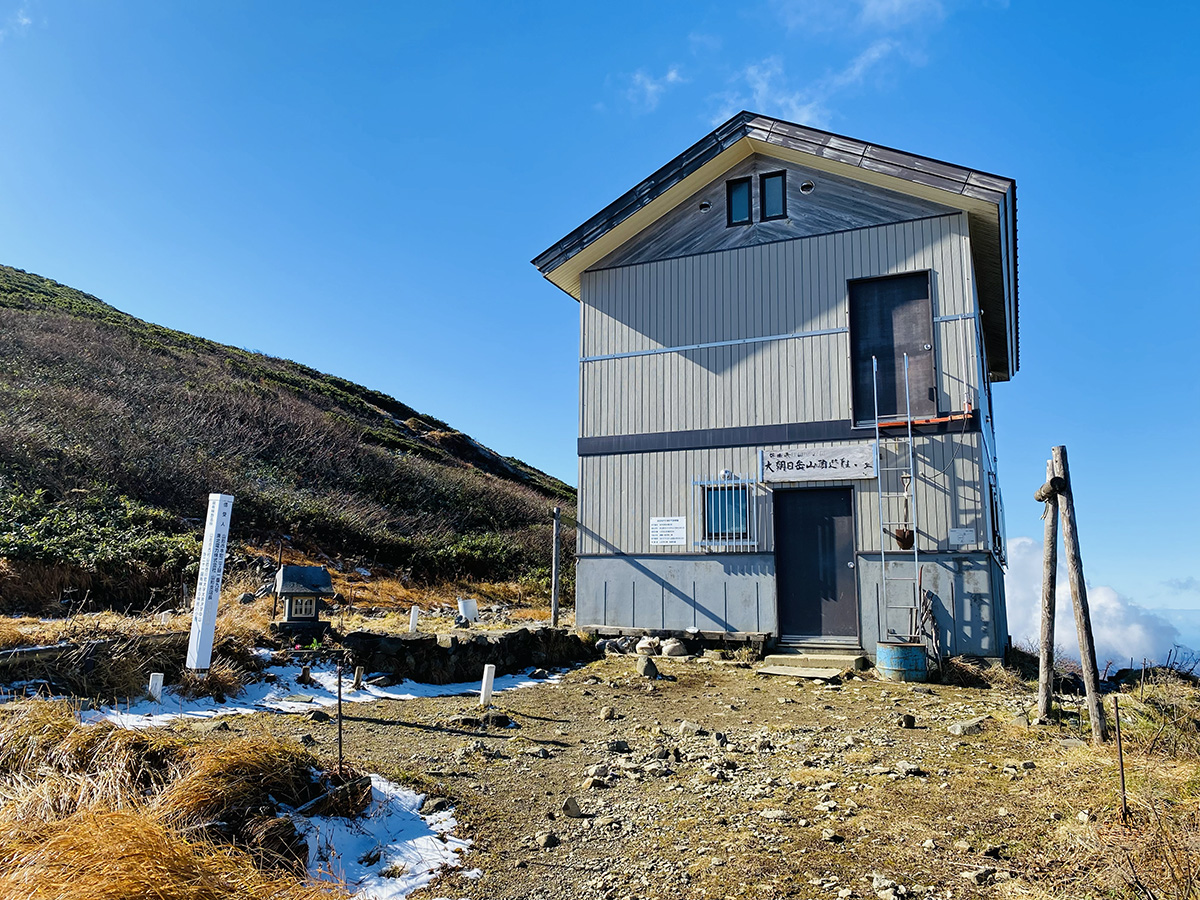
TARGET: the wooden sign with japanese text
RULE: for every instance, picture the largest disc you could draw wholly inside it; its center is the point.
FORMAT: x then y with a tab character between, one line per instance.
839	463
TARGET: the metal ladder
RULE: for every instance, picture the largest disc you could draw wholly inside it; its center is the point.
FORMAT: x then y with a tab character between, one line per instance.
895	459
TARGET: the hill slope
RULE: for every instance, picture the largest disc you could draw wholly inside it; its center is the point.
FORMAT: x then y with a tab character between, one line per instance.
113	431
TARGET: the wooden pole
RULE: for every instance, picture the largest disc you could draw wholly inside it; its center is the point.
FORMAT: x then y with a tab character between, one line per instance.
1083	618
554	568
1120	760
1049	586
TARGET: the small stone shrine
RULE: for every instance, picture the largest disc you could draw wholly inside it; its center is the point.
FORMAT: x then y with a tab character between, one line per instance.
301	588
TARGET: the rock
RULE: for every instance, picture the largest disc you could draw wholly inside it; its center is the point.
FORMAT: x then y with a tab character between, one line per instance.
907	721
720	739
308	740
434	805
775	815
673	647
1084	816
929	844
1071	743
607	713
461	621
1021	719
970	726
882	882
247	599
571	808
592	783
599	771
497	720
1028	764
980	876
546	839
539	674
648	646
618	746
464	721
646	667
910	769
962	846
992	851
690	728
830	836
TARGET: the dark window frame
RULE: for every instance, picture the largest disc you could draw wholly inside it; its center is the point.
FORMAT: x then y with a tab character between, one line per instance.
729	186
762	195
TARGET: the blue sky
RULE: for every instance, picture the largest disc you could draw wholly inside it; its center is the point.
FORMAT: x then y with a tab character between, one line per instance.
360	187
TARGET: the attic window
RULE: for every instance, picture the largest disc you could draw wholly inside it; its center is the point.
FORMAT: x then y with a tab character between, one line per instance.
737	201
772	195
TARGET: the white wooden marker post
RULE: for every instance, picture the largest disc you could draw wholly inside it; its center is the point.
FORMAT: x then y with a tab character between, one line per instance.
412	619
156	684
489	675
208	585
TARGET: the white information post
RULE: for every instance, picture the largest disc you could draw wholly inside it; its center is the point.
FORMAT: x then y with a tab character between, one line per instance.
844	462
208	585
668	531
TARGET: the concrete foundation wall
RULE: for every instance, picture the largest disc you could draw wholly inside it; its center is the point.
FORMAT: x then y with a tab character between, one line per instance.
734	592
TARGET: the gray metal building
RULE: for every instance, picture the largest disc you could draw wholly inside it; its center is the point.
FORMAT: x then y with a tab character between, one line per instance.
787	345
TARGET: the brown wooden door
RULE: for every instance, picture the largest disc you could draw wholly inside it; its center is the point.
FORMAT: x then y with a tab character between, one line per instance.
815	582
888	318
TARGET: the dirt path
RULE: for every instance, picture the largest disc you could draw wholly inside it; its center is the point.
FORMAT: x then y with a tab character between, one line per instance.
717	782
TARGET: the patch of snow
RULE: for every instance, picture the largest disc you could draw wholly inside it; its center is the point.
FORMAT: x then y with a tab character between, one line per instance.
388	853
365	573
286	694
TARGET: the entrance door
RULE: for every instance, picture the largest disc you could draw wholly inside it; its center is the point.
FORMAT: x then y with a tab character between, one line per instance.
814	564
888	318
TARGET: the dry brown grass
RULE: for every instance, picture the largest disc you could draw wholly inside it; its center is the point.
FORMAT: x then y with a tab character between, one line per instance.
120	855
223	781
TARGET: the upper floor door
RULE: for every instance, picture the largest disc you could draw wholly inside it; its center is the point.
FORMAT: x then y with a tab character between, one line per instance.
890	317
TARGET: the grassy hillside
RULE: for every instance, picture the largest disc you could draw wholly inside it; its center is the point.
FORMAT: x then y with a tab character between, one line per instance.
113	431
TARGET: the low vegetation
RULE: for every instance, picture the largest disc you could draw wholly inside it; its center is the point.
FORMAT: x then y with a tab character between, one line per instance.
101	813
113	431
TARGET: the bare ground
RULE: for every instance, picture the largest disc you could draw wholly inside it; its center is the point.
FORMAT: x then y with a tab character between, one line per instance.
724	783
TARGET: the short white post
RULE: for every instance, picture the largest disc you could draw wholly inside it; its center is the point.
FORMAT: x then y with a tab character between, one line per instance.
164	618
156	686
412	619
489	676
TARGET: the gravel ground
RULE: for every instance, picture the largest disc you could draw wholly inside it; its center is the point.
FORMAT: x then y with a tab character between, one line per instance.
713	781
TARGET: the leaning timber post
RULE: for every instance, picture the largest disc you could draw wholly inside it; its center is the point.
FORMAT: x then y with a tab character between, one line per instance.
554	568
1049	586
1083	618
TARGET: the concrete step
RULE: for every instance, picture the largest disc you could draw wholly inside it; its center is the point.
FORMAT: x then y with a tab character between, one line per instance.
819	659
798	672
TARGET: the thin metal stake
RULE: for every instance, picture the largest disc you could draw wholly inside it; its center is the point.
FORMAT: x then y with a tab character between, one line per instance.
1120	761
339	678
554	569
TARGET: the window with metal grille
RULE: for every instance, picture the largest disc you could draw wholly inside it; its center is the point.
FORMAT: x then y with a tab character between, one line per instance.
727	513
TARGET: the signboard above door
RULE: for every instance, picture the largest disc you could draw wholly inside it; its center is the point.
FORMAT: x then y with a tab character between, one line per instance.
839	463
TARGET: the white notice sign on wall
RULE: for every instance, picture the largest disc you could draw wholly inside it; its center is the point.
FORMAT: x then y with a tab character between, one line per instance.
820	463
668	531
962	537
208	585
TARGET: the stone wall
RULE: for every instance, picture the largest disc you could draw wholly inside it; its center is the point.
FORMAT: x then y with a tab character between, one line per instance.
461	655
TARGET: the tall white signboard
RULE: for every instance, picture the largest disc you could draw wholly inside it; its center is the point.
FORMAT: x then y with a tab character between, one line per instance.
208	585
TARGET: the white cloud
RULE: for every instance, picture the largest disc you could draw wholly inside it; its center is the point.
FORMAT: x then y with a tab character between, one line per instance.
858	15
645	90
763	87
17	24
1120	627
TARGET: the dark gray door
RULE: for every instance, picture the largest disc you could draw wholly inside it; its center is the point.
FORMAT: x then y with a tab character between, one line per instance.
814	563
888	318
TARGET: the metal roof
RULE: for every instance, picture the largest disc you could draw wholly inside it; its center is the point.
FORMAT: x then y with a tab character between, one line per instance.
989	201
303	580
